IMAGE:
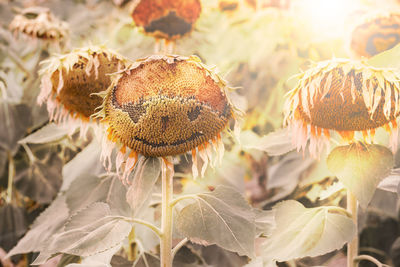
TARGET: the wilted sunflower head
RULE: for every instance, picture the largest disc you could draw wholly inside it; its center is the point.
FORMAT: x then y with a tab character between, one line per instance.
40	23
376	35
71	81
228	5
167	19
346	97
281	4
164	106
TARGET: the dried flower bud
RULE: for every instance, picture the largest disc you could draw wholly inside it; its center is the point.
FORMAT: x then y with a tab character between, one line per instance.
40	23
70	82
376	35
168	19
344	96
164	106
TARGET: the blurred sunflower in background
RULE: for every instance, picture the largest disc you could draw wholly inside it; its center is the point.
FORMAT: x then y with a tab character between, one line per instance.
39	23
375	35
166	19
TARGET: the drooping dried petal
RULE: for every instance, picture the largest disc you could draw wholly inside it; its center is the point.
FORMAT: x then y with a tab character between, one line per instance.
70	82
352	96
167	105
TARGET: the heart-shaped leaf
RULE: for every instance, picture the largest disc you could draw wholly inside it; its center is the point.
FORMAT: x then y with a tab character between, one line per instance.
91	231
14	121
85	162
302	232
48	133
144	179
275	143
13	225
42	179
220	218
386	59
88	189
45	226
360	167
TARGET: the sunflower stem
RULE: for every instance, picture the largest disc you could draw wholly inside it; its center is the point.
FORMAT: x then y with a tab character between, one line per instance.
11	173
157	46
352	247
166	215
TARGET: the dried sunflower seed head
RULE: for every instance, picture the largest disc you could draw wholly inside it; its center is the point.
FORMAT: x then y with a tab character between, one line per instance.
40	23
71	81
167	19
228	5
344	96
165	106
375	35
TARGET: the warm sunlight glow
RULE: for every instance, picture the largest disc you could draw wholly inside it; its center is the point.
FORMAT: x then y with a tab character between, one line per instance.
328	17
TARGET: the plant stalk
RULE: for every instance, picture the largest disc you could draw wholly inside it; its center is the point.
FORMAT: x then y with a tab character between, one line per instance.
11	173
166	216
352	247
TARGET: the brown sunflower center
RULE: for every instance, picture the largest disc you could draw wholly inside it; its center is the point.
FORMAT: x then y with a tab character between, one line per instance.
167	18
161	125
78	86
171	25
342	106
166	108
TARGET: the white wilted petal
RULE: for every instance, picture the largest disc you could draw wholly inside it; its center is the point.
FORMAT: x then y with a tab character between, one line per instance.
387	107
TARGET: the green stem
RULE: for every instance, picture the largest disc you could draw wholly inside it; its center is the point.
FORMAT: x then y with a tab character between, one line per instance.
15	58
29	153
11	171
166	215
152	227
352	247
371	259
178	246
157	46
176	200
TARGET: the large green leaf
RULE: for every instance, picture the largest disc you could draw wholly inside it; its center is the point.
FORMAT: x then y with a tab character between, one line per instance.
90	231
143	182
101	259
14	121
13	225
88	189
221	217
302	232
275	143
41	179
85	162
391	183
387	59
48	133
260	262
45	226
360	167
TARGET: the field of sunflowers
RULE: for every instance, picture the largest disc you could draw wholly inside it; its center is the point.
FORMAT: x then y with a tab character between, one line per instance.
199	133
